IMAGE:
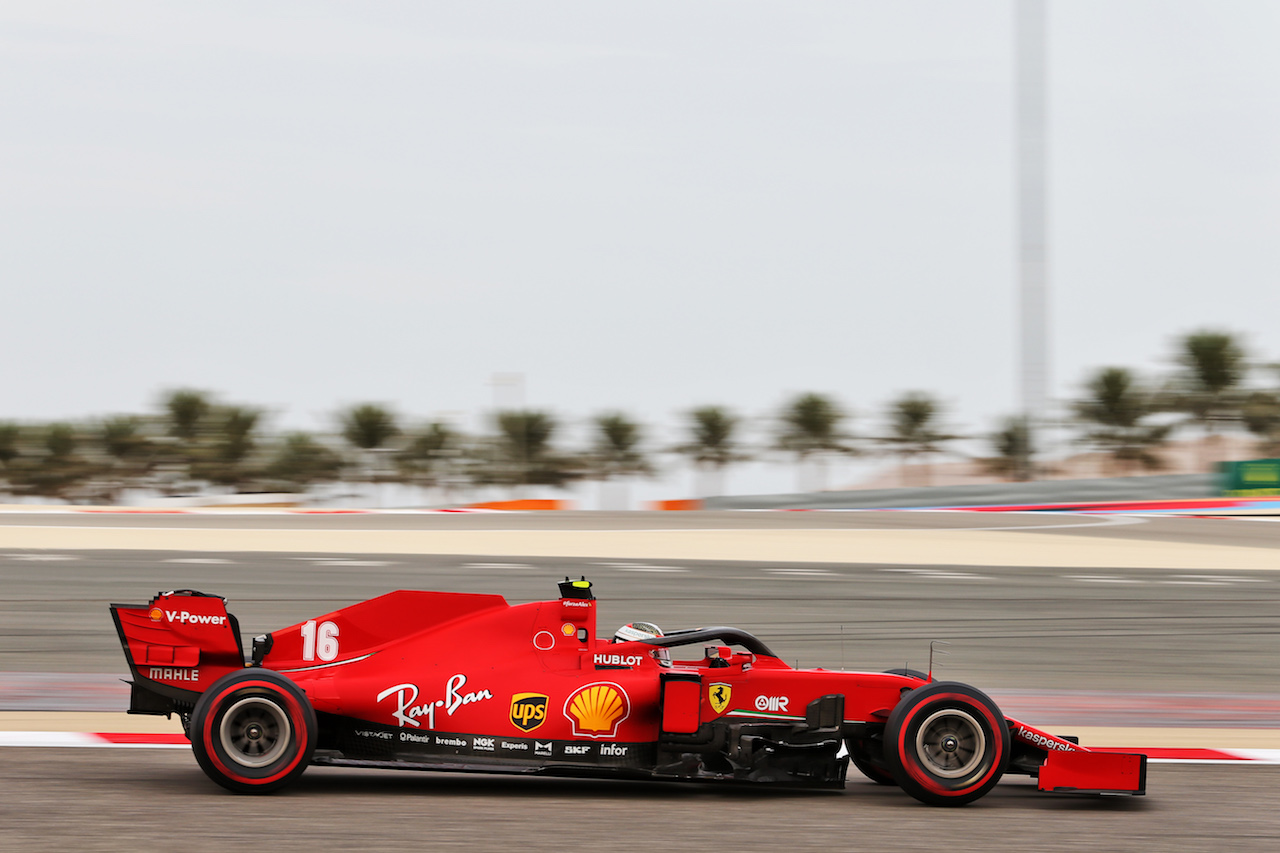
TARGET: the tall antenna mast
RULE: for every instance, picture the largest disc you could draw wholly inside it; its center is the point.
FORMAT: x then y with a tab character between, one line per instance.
1033	308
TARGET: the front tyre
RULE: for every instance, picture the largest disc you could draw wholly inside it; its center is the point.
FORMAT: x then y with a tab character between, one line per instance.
946	744
253	731
867	753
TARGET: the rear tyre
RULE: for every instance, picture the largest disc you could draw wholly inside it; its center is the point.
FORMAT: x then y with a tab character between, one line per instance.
253	731
946	744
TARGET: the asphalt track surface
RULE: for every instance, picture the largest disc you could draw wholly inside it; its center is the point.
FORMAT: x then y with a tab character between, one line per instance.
88	800
1024	628
1186	637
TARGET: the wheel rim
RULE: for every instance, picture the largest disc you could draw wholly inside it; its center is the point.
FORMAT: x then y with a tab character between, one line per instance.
951	743
255	732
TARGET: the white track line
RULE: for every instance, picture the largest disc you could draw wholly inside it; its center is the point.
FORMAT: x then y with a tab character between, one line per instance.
1109	521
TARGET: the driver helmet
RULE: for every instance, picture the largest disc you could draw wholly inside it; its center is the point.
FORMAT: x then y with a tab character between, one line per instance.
637	631
643	631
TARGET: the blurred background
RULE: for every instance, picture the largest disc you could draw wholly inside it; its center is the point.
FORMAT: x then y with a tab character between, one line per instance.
429	254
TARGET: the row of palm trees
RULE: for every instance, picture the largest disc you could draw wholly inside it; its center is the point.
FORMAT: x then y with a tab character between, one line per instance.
195	443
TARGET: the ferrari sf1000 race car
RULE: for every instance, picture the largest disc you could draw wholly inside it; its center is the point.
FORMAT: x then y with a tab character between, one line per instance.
466	682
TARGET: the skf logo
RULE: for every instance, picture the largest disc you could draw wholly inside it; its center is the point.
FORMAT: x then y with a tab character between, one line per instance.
719	695
156	614
597	709
528	711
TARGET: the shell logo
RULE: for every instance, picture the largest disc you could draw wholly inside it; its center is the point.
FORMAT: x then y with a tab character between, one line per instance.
567	629
156	614
597	709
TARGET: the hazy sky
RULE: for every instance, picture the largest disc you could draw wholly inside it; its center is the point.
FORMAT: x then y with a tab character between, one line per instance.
647	206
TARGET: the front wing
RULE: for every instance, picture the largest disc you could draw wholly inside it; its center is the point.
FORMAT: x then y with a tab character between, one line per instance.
1073	769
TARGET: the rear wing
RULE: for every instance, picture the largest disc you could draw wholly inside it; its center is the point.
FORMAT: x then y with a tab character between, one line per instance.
176	646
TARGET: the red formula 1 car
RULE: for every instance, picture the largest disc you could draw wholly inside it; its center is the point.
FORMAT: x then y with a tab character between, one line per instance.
464	682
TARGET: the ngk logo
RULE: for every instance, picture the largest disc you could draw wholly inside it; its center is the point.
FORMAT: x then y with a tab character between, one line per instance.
191	618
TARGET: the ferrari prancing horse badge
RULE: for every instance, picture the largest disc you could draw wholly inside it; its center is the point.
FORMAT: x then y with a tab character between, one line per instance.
719	695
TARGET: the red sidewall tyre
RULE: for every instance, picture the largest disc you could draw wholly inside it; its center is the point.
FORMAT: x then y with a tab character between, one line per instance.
253	731
866	755
947	743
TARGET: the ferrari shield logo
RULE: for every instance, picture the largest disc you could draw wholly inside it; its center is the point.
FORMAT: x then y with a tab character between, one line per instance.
719	695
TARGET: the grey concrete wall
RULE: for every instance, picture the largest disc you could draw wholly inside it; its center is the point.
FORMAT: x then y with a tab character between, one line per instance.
1164	487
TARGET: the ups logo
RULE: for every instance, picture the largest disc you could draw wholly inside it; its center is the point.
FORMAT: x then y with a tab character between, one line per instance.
528	711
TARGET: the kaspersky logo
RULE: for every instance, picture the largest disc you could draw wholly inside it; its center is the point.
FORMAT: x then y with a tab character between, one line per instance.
597	709
528	711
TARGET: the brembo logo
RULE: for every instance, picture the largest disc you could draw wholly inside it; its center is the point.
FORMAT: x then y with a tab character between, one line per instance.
190	618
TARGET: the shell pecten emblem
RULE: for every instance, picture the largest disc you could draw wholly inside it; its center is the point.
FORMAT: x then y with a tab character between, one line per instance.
596	709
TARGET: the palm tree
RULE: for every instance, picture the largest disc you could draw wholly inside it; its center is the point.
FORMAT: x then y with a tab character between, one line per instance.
8	446
1013	447
1261	413
302	461
912	419
432	457
810	426
524	455
369	427
130	451
185	412
60	472
186	408
712	446
1114	411
616	451
1213	366
233	443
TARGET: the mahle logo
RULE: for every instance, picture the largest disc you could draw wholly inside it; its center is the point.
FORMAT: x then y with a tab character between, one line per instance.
528	711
